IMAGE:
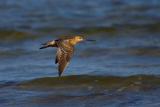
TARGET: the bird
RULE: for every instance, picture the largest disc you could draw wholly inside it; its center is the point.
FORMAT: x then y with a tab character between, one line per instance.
65	49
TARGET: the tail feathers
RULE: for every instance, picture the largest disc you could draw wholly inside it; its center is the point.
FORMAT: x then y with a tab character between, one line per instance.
48	44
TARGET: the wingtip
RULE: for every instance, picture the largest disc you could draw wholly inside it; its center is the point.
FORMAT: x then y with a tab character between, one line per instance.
46	46
59	74
41	48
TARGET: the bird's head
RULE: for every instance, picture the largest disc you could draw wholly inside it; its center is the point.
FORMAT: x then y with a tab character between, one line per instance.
78	38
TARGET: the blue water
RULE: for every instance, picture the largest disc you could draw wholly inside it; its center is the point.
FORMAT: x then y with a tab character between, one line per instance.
127	34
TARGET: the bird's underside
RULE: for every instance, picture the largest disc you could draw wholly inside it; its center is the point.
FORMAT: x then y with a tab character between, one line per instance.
64	53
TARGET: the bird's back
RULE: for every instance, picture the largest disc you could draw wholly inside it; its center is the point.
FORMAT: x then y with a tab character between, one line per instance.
64	44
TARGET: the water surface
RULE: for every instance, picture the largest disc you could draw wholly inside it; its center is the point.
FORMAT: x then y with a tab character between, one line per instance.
120	69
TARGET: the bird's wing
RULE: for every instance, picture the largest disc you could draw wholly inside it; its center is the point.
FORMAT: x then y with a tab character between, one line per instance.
63	57
49	44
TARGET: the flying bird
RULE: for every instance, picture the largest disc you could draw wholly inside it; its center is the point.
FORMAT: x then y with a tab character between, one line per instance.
65	50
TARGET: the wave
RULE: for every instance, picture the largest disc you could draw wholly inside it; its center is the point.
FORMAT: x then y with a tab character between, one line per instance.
136	82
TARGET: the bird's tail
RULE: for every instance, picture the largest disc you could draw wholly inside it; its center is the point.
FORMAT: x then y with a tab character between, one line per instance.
48	44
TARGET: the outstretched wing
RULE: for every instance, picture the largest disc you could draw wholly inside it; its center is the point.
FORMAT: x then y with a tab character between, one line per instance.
63	57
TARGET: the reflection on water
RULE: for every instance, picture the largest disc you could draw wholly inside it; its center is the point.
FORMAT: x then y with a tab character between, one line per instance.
120	69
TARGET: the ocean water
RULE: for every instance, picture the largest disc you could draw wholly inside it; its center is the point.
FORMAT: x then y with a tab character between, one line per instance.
120	69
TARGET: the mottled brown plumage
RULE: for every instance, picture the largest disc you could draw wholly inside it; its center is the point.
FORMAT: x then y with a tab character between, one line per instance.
65	50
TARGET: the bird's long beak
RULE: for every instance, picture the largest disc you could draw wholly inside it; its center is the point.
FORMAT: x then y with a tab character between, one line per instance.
90	40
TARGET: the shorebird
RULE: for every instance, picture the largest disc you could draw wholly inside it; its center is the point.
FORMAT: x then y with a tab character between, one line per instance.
65	50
